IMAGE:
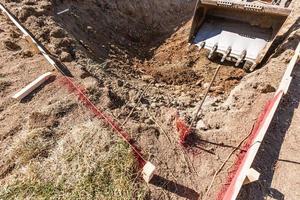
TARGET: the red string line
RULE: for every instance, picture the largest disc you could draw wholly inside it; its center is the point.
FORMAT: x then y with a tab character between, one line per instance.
234	172
87	102
183	130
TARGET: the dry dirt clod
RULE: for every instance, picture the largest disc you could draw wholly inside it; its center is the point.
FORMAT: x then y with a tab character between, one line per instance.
111	99
66	57
14	34
25	12
4	85
57	33
26	54
90	83
147	78
30	2
120	83
40	120
10	45
266	88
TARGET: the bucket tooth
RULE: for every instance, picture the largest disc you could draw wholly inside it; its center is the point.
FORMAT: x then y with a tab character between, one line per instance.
201	45
215	47
241	58
253	67
226	54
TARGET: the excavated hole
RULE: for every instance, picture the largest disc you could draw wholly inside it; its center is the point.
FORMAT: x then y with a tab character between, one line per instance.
148	36
135	27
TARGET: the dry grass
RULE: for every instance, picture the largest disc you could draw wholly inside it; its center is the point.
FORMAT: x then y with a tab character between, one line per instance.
34	144
89	162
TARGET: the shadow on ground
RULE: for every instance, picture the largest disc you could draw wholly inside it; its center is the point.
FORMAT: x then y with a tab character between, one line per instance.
175	188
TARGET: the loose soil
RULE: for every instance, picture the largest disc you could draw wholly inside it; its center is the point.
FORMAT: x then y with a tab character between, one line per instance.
118	50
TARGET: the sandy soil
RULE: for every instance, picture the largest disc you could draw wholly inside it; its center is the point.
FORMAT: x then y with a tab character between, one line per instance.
141	51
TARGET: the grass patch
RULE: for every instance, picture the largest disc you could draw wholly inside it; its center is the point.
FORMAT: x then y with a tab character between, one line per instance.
35	144
34	190
113	176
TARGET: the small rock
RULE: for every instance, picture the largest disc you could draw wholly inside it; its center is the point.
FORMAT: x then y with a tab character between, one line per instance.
160	104
66	57
205	85
132	94
139	108
62	42
111	99
29	2
201	125
158	85
147	78
209	101
45	5
84	74
90	29
153	105
192	48
174	103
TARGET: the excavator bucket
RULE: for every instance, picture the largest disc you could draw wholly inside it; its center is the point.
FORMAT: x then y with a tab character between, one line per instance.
241	31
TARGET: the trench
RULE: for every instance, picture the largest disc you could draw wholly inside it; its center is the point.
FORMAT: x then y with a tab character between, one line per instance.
144	36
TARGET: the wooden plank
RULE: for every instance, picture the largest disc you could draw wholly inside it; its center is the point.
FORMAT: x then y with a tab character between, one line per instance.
32	86
252	176
148	171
